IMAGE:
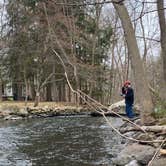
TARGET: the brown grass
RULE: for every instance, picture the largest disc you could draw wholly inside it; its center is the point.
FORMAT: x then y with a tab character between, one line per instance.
20	104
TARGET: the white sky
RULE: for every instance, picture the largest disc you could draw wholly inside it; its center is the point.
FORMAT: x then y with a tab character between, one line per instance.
150	22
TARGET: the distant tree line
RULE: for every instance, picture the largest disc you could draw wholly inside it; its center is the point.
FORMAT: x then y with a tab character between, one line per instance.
31	65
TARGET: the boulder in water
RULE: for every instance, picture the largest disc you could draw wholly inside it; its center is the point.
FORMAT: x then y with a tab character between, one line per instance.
141	153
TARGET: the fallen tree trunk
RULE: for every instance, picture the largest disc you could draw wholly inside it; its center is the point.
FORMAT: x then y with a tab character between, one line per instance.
116	105
121	104
155	129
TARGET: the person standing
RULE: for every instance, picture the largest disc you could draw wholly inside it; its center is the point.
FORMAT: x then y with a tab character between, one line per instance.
128	94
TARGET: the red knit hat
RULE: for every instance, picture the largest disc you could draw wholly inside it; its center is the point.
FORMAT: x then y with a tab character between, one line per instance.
127	83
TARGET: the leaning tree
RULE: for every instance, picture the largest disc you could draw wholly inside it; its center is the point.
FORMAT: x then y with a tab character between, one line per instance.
141	82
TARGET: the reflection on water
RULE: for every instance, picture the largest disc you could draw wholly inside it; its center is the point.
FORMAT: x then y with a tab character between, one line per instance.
59	141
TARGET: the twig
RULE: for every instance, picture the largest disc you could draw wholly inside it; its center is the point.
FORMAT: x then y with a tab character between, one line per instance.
150	162
90	4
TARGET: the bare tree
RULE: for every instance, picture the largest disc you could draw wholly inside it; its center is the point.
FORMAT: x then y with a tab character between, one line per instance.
160	7
2	9
140	78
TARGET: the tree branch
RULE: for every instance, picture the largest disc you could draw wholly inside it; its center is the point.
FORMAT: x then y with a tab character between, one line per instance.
90	4
147	38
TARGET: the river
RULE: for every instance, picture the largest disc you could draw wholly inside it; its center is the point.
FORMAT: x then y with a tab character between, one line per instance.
58	141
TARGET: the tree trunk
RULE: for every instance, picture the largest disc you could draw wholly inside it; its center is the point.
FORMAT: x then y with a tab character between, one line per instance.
76	83
26	88
59	92
19	92
48	92
37	97
69	93
141	82
160	8
54	92
26	92
63	92
0	91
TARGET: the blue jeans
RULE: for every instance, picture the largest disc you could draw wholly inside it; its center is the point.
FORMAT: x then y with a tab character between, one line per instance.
129	110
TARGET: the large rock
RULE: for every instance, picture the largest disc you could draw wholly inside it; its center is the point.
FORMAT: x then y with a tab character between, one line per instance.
4	113
22	112
141	153
132	163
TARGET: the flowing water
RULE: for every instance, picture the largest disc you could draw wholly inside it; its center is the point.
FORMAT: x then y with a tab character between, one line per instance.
58	141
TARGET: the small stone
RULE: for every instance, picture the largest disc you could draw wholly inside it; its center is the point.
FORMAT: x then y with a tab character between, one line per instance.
22	112
123	141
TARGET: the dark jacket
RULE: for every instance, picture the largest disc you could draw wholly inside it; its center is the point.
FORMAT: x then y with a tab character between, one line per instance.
129	97
123	91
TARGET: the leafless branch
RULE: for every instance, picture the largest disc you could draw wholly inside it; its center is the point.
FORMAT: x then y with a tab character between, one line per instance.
154	2
143	13
157	151
147	38
90	4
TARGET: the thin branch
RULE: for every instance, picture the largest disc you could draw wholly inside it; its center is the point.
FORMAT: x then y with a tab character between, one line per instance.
154	2
157	151
89	3
57	80
143	13
147	38
46	80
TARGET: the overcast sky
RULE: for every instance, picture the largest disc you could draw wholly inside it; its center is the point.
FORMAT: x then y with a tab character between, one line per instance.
150	23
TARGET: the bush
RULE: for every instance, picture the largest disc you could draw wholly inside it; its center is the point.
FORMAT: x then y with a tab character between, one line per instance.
160	112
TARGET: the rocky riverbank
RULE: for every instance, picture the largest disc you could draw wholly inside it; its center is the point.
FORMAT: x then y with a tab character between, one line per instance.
15	112
18	110
138	153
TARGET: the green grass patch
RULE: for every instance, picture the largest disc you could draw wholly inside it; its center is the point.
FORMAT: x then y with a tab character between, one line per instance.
160	112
